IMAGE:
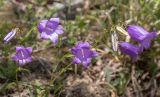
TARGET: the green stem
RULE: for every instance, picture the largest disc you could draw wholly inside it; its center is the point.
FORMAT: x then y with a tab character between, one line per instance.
18	69
60	73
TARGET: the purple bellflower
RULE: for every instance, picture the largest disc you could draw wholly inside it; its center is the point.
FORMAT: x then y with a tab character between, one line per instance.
130	49
140	35
83	54
10	35
50	29
23	55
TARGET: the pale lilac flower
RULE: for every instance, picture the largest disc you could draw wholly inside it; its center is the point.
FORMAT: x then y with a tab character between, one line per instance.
10	35
142	36
50	29
23	55
130	49
83	54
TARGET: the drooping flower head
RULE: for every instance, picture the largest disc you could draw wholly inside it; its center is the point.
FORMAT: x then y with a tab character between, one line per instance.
83	54
140	35
50	29
23	55
10	35
129	49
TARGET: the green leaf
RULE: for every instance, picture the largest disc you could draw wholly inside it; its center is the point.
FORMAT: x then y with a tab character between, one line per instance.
2	76
153	68
7	86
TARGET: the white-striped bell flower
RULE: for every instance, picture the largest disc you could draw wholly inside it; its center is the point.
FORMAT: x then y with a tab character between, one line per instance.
83	54
10	35
23	55
50	29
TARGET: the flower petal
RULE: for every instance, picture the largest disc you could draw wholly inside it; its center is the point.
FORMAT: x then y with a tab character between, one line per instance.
86	63
29	49
147	41
29	59
42	25
137	33
153	35
59	30
94	54
83	44
54	37
22	62
74	50
14	58
44	35
76	60
52	25
55	20
129	49
19	48
139	29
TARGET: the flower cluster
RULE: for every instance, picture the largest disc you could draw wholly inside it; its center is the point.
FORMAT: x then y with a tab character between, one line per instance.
82	52
50	30
139	35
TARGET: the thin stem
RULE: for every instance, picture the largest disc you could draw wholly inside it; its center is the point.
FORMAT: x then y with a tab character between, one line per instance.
61	72
18	69
75	69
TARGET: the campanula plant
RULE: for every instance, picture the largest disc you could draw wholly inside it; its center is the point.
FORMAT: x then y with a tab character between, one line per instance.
130	49
140	35
50	29
83	54
23	55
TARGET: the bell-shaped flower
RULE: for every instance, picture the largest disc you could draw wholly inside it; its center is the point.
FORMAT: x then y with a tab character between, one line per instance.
23	55
140	35
83	54
10	35
50	29
130	49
